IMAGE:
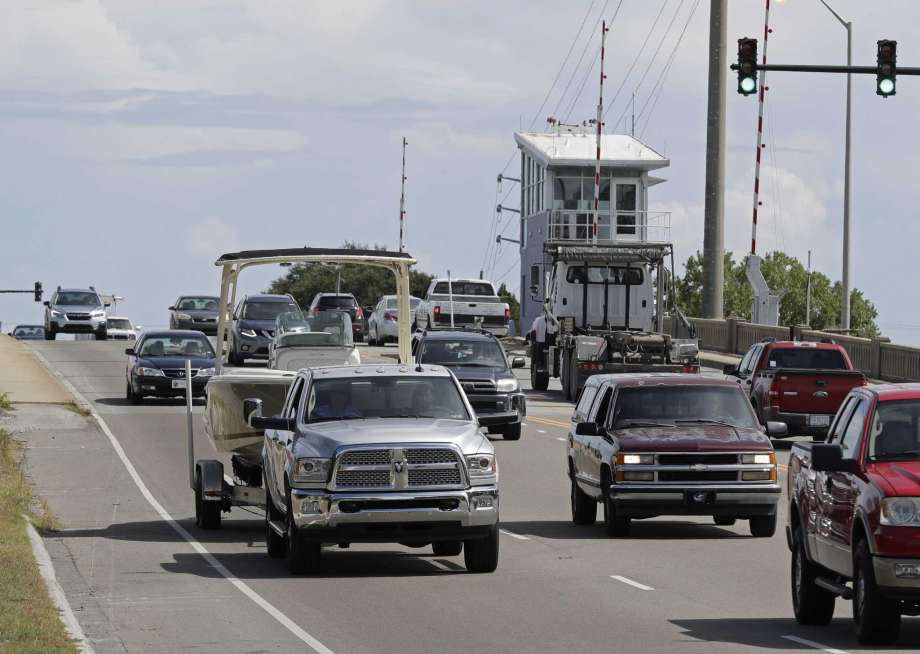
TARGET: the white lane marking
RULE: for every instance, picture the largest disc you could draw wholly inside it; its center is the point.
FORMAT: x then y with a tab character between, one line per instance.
541	431
630	582
513	535
46	569
241	586
811	643
440	566
559	438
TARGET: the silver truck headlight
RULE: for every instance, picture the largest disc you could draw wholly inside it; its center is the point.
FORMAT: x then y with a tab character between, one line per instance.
482	468
149	372
901	512
311	471
506	385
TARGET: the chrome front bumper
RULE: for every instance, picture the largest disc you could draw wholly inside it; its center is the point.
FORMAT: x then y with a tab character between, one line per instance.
886	574
318	510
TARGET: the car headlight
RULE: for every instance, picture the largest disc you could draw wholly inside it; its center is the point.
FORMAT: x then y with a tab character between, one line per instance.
625	458
311	471
481	466
56	314
183	316
506	385
901	511
206	372
149	372
248	333
97	314
759	459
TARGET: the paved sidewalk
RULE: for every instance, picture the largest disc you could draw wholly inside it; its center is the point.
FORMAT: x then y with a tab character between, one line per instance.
25	379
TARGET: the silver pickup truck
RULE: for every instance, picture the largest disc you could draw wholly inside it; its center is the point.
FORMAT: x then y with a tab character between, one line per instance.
463	303
379	454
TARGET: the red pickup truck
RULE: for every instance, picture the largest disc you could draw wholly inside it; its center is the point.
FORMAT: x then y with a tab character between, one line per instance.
854	514
801	383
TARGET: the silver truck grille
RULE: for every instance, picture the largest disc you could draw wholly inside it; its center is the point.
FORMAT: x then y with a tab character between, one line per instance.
398	468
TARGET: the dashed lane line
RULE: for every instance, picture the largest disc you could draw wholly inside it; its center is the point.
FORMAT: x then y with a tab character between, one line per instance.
630	582
813	644
513	535
241	586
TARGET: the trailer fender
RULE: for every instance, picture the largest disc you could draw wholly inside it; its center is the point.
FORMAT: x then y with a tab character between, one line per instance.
210	474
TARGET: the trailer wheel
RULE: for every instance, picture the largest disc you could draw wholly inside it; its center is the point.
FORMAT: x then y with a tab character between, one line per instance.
572	393
539	381
207	514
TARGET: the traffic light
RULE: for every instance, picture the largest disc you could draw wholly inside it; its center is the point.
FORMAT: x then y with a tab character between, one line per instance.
747	66
38	291
887	69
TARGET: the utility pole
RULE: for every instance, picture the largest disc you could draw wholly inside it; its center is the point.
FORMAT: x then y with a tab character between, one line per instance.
597	159
714	216
808	293
402	199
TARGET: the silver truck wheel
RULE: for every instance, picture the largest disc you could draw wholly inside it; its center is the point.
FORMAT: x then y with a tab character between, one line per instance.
302	556
274	542
481	555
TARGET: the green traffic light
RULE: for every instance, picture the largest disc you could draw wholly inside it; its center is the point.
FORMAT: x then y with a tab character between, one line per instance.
748	84
886	86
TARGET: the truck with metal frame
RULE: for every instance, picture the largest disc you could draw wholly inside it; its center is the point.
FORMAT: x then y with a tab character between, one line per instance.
225	423
603	308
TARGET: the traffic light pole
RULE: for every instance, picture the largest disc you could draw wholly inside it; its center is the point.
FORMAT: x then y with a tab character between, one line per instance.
855	70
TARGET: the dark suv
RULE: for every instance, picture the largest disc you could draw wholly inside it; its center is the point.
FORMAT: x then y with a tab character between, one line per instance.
478	360
342	302
254	325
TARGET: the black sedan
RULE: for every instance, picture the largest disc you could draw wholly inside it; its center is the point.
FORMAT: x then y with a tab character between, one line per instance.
156	364
28	333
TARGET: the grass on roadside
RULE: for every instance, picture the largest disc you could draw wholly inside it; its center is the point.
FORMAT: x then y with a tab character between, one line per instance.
5	403
29	621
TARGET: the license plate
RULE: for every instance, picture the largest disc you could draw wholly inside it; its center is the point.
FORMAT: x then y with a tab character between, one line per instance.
178	383
819	421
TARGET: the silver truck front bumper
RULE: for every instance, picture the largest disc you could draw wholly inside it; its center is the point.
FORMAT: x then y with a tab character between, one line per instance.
476	507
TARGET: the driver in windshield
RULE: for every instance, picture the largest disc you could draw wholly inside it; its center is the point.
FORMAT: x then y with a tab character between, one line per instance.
336	404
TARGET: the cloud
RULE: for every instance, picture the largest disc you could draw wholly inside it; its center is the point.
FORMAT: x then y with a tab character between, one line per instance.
211	237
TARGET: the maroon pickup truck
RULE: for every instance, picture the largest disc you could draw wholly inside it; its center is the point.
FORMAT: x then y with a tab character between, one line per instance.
854	514
800	383
650	444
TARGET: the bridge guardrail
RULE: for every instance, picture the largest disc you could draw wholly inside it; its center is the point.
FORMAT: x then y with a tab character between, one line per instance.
878	358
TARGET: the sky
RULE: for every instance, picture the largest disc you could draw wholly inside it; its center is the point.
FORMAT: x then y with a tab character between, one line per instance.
142	140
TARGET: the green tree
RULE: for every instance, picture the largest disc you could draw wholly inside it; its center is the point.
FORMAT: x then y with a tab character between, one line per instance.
783	273
366	283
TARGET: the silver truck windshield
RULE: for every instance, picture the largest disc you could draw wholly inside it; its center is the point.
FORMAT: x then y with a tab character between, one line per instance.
460	352
385	397
894	431
682	405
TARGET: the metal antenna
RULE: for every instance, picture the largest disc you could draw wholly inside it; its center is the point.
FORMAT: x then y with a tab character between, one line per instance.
600	122
402	199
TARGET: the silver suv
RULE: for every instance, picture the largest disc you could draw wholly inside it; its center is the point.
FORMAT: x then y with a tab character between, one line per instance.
75	311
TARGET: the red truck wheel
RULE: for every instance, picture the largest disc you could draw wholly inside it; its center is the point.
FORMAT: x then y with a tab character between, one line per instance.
877	618
811	604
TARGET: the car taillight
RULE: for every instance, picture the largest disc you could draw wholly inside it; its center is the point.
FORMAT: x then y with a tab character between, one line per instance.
388	316
589	365
774	388
316	309
359	313
436	311
690	370
507	313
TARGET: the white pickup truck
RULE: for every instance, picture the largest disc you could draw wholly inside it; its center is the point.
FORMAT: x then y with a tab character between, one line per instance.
472	302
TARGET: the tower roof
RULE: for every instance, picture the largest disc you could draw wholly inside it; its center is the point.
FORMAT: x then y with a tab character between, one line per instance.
579	149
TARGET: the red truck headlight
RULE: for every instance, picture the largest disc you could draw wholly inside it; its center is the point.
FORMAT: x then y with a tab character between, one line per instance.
900	512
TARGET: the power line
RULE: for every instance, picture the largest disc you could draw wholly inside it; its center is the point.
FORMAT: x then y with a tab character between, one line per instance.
658	89
580	59
587	75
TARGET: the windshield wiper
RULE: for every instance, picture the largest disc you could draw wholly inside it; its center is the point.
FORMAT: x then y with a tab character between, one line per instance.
707	421
642	423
